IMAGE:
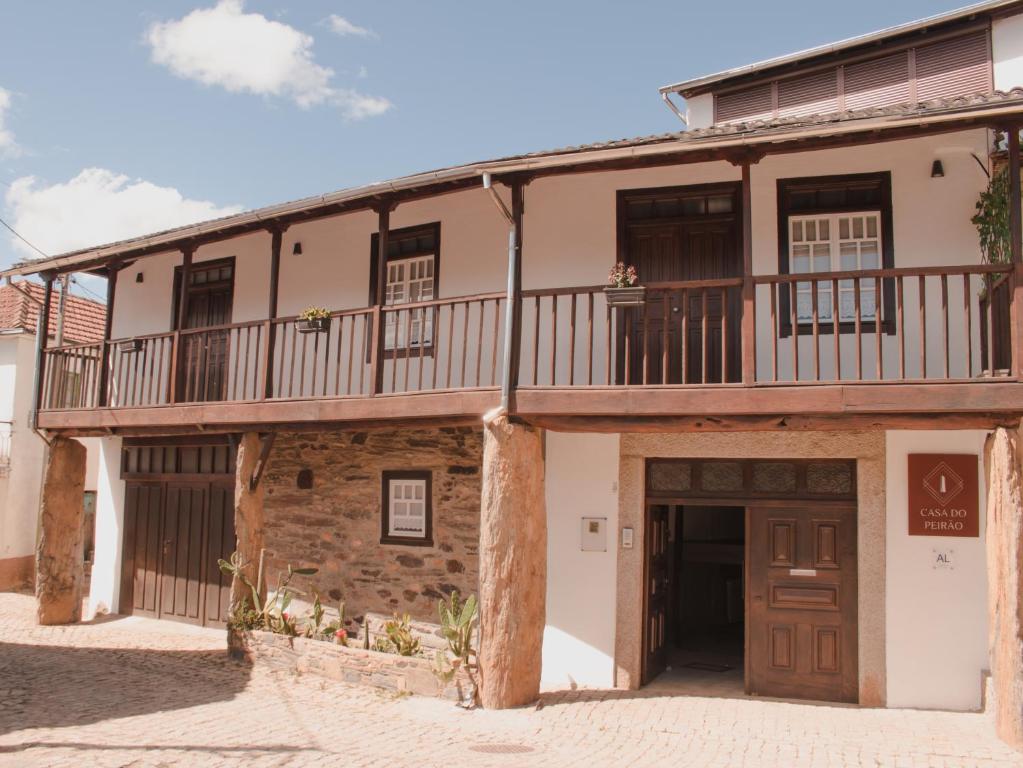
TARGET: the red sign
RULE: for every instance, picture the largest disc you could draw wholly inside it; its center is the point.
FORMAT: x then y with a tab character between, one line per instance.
944	497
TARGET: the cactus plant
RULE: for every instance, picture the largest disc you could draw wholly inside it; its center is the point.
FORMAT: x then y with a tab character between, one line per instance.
458	625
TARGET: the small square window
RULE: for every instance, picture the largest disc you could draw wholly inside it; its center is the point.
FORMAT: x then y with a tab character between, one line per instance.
407	508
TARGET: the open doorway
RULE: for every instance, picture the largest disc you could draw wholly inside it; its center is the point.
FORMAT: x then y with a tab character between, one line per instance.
700	573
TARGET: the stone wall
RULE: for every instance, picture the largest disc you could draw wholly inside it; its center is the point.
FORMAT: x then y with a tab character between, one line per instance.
388	671
335	526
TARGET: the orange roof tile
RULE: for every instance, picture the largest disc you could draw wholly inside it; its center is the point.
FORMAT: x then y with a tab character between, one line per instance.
83	318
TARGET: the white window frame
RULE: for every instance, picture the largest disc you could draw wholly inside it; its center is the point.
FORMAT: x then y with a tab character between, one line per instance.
410	280
863	240
407	508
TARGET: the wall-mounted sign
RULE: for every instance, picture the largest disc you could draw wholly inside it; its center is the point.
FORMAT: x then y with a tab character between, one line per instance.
594	537
944	498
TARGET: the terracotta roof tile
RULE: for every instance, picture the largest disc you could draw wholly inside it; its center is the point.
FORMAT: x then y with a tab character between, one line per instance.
83	318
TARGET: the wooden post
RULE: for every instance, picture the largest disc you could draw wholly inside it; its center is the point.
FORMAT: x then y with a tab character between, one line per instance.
108	324
248	523
180	318
379	332
42	334
277	236
749	295
1016	243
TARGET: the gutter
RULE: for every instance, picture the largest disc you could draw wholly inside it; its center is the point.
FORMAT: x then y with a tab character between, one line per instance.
509	307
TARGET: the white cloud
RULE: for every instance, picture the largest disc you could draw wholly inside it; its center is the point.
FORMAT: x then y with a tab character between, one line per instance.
249	53
8	146
342	26
97	207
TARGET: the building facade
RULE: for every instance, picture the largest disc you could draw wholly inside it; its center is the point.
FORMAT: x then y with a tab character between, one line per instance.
792	479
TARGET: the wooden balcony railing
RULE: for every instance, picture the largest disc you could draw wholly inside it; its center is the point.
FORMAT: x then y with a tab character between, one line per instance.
871	326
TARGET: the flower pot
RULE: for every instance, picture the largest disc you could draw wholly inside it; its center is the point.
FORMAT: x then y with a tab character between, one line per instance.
632	296
316	325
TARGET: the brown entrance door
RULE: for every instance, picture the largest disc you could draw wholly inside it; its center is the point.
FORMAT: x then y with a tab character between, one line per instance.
685	249
208	301
658	585
802	602
174	534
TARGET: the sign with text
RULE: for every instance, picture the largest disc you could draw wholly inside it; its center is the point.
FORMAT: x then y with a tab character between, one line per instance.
944	497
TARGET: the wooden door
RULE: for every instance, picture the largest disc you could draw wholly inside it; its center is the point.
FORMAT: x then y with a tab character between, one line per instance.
657	592
666	252
203	365
802	602
174	534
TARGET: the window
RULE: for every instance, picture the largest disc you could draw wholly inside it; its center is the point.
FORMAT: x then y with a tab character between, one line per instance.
413	257
837	242
836	224
407	508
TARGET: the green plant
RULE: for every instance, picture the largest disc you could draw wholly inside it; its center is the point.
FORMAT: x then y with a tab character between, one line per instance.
314	313
992	219
271	613
400	636
458	625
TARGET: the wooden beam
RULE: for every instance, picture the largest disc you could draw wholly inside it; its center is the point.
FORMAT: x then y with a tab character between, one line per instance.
108	324
376	366
276	238
42	334
518	208
180	319
266	444
749	296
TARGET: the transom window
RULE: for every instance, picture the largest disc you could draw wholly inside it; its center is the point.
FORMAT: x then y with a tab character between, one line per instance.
837	242
407	507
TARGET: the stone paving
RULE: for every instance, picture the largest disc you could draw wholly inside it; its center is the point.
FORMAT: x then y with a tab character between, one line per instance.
136	692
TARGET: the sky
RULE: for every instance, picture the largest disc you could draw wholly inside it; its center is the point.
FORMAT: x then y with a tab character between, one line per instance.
123	117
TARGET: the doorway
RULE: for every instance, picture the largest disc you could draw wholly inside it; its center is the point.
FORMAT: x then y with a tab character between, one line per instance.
209	298
751	578
671	235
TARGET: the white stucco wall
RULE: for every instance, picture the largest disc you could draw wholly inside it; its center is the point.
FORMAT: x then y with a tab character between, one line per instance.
1007	52
936	619
581	478
700	111
104	590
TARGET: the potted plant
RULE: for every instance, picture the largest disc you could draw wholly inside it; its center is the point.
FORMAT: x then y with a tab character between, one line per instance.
622	290
313	320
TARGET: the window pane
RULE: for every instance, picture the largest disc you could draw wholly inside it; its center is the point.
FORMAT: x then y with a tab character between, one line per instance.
869	255
721	204
872	226
843	228
848	256
797	231
811	230
821	263
857	228
825	229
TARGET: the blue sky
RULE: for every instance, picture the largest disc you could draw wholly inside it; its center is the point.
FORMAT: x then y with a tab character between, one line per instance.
176	124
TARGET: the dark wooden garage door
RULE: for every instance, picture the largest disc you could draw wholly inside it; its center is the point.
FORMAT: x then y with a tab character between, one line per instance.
175	530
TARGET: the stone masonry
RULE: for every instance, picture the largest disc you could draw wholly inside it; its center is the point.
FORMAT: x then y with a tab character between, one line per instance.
335	525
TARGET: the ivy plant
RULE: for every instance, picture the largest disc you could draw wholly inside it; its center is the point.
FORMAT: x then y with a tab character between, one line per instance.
992	219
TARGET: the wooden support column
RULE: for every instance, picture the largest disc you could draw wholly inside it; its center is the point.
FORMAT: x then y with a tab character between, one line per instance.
513	563
277	237
108	324
42	336
518	207
180	316
1016	250
1004	541
749	289
59	557
376	378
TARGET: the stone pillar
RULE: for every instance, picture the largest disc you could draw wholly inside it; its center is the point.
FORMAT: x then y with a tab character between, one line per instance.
1005	590
59	556
248	513
513	564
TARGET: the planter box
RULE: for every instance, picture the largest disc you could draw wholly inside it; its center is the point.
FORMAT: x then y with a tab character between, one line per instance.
317	325
633	296
387	671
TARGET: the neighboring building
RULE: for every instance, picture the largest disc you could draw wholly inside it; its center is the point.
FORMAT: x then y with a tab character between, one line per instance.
730	466
22	452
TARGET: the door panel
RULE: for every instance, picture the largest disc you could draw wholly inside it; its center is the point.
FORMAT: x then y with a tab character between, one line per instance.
220	543
658	599
142	514
181	574
802	606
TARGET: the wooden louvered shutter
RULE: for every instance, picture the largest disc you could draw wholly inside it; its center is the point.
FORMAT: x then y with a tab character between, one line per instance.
749	104
878	83
808	95
957	67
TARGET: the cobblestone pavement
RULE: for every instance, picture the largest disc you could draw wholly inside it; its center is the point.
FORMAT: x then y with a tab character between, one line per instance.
136	692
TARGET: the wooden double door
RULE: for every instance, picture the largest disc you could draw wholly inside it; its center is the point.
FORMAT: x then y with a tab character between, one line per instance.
800	599
174	534
701	328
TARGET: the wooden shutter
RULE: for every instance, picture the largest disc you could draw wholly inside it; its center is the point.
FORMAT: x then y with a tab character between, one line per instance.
877	83
956	67
749	104
808	95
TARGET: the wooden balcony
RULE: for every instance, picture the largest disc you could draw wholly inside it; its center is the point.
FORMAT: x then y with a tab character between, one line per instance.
892	346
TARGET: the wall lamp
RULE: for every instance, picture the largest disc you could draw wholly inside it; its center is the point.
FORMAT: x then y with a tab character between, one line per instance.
937	170
296	249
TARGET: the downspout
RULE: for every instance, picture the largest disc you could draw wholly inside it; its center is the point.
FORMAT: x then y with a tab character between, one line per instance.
671	105
509	310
